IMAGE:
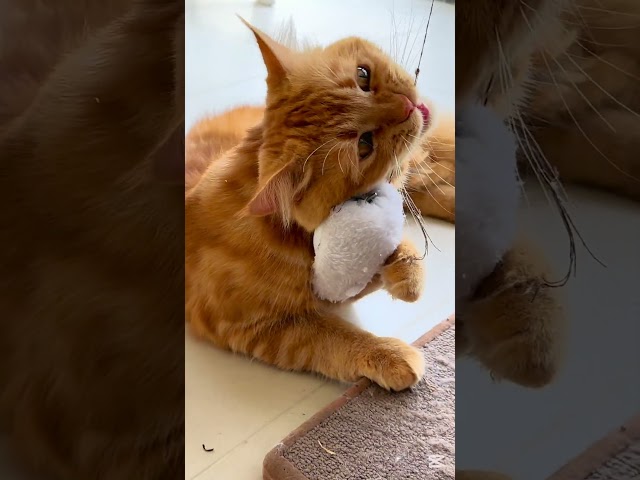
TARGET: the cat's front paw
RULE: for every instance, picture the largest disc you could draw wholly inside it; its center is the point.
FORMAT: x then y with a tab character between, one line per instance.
403	274
393	364
516	324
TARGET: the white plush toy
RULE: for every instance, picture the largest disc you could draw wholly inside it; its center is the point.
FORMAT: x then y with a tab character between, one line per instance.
488	200
353	243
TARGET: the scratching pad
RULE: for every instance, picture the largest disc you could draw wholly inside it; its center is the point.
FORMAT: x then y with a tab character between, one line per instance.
369	433
615	457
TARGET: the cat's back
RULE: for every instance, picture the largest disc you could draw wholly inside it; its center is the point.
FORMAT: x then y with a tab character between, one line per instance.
212	136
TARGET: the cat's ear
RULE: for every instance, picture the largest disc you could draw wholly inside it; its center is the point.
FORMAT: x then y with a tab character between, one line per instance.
277	58
275	195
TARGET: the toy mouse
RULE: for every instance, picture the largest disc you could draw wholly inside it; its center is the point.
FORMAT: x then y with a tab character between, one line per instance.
487	206
354	242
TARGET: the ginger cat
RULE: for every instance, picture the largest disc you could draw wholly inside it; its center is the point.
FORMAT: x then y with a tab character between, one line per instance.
92	238
337	120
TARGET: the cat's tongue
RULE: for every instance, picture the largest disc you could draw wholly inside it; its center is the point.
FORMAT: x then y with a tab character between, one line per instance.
425	115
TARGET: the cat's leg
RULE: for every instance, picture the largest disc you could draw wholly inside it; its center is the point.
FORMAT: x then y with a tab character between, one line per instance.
615	167
515	326
321	343
403	273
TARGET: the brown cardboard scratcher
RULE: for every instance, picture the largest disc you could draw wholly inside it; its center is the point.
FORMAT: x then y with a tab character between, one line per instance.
615	457
371	434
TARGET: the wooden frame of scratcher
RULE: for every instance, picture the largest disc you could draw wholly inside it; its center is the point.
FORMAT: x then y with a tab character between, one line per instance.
277	467
599	453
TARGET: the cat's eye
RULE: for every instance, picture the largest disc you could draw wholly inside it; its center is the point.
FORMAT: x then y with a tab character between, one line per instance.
365	145
364	78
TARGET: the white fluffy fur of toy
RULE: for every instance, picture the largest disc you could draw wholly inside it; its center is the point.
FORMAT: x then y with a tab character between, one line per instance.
487	204
353	243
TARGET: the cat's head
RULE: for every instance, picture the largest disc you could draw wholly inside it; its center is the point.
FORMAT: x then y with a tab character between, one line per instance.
499	45
337	121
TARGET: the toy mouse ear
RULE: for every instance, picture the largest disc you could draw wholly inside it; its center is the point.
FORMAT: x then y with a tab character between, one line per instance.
277	58
274	195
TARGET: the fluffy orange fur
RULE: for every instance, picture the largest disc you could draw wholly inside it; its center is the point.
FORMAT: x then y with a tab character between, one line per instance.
251	211
91	263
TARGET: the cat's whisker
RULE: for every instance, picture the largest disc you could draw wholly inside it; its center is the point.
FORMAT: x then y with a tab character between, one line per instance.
394	37
325	157
601	27
324	76
442	166
304	164
408	144
602	89
606	10
417	215
429	190
339	163
408	36
605	61
431	141
426	173
584	97
424	165
579	126
555	186
539	166
417	37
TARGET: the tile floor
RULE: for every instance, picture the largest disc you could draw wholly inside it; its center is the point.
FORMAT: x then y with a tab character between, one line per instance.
239	407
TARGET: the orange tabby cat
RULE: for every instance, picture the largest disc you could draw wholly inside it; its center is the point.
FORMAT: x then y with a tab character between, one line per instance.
91	267
337	120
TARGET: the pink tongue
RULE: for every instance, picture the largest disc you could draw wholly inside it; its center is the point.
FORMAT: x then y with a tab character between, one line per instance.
424	111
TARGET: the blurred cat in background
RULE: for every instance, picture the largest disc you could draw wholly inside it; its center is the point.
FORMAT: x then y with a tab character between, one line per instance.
562	74
91	274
